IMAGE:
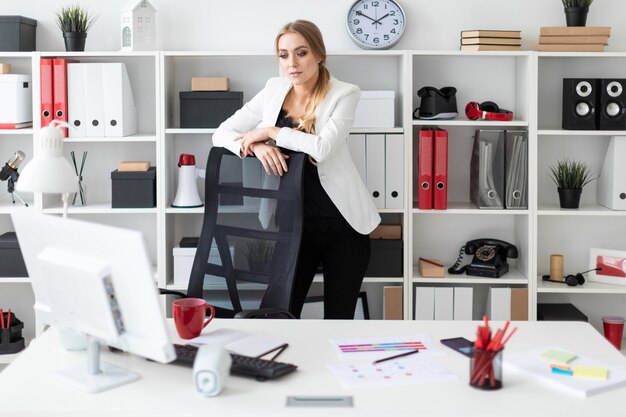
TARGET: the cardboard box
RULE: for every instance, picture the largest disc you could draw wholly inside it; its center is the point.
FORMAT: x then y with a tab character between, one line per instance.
133	189
210	84
375	109
392	303
17	34
126	166
430	270
16	103
208	109
5	68
387	231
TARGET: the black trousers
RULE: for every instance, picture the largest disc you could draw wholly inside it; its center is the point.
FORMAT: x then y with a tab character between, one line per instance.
344	255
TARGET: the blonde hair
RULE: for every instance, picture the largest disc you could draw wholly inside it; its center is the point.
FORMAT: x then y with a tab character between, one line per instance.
311	33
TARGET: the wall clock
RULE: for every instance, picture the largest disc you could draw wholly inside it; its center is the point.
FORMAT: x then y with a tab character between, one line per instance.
376	24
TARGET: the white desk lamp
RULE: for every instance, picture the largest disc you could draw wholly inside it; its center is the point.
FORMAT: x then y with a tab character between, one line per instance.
49	171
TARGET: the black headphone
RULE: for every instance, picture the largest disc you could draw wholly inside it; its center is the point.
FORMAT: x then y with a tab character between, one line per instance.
571	280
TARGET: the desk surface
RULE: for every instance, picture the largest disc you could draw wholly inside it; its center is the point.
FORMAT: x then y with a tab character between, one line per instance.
168	389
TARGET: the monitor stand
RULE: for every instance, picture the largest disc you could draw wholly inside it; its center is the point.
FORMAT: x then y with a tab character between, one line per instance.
94	376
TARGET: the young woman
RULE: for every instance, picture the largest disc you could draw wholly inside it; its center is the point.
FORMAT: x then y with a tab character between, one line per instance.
309	111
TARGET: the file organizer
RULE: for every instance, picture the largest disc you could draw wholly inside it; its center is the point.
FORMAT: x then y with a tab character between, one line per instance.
516	167
487	169
11	340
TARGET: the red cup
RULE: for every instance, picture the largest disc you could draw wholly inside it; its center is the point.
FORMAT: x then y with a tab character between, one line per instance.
613	329
189	316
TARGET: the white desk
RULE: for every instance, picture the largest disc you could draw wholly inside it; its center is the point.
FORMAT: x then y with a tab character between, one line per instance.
168	390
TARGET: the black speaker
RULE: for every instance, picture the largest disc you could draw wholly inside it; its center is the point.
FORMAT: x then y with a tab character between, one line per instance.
612	104
579	103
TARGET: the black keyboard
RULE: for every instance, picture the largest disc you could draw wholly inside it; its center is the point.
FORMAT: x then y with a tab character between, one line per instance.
258	368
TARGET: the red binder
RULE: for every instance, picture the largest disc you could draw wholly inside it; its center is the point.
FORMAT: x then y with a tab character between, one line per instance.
59	76
440	170
425	170
45	68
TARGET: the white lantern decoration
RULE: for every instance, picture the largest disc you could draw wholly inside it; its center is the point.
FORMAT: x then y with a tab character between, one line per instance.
138	26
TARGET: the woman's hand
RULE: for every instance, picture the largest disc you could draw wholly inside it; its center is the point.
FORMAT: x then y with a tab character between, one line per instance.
262	134
271	157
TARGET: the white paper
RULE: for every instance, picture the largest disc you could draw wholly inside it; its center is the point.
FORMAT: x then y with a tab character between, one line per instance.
239	342
373	348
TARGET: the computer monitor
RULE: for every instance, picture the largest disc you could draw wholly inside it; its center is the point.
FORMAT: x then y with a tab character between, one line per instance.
95	280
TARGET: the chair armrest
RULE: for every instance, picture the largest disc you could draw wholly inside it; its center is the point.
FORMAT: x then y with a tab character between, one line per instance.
265	313
172	292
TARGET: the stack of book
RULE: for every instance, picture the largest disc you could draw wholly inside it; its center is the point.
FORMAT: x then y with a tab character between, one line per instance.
573	38
491	40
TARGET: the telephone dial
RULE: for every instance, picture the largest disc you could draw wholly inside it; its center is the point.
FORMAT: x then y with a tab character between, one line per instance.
489	260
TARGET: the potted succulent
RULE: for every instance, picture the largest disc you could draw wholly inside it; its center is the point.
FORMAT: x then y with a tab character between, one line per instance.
570	177
576	11
74	21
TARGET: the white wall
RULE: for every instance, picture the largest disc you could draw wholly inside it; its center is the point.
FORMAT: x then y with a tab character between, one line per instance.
250	25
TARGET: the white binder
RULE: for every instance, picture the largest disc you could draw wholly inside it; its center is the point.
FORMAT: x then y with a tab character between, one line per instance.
94	100
612	181
444	303
120	113
394	171
356	146
375	167
499	304
76	100
463	303
424	303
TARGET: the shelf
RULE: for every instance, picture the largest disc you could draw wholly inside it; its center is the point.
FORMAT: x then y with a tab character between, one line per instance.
587	288
585	210
210	131
581	54
470	208
561	132
221	209
7	207
15	280
132	138
513	277
454	53
99	208
11	132
87	54
476	123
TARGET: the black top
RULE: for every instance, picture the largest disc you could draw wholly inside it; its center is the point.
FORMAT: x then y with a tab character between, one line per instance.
317	204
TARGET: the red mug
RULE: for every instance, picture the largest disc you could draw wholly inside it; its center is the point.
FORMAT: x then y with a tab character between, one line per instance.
189	316
613	329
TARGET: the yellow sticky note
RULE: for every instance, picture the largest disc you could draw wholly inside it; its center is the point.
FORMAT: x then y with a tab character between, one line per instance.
558	356
590	372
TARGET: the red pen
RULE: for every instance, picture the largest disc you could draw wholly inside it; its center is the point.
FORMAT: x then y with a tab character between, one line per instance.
9	319
1	319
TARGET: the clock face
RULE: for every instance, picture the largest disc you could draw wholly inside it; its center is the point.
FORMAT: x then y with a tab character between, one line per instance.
376	24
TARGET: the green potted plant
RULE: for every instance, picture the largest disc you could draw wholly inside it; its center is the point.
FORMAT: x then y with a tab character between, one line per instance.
259	254
570	177
74	21
576	11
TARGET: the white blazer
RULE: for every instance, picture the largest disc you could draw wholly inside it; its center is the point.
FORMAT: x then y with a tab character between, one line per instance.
328	146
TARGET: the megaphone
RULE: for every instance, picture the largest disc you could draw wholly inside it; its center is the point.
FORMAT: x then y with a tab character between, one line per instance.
187	194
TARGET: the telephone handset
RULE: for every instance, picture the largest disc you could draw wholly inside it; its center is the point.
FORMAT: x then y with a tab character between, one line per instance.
489	260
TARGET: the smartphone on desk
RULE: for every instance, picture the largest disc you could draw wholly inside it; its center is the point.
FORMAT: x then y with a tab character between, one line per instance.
460	344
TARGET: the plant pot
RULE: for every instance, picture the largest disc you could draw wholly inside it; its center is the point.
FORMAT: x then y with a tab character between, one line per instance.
576	16
570	197
74	41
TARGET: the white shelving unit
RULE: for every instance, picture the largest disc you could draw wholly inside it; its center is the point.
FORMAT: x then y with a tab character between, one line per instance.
526	82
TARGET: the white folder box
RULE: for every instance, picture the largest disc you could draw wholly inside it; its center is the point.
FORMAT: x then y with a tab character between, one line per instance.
375	109
16	98
183	262
120	113
76	100
424	303
94	100
612	181
499	303
444	303
463	303
356	146
375	168
394	171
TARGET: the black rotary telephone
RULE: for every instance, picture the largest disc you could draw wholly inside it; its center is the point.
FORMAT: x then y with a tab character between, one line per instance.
489	260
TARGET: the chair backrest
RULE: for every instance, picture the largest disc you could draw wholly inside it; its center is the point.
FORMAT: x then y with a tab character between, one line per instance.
251	231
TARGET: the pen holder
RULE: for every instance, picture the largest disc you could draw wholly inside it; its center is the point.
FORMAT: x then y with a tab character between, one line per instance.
11	340
486	369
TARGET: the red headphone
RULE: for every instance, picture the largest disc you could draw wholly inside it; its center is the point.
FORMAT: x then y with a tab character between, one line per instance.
487	111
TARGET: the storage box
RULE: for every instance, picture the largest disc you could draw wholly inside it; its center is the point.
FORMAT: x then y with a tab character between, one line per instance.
385	258
16	103
375	109
202	109
17	33
133	189
183	262
210	84
5	68
11	259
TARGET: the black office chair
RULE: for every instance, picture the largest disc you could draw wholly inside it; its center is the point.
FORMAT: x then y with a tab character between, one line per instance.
251	233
